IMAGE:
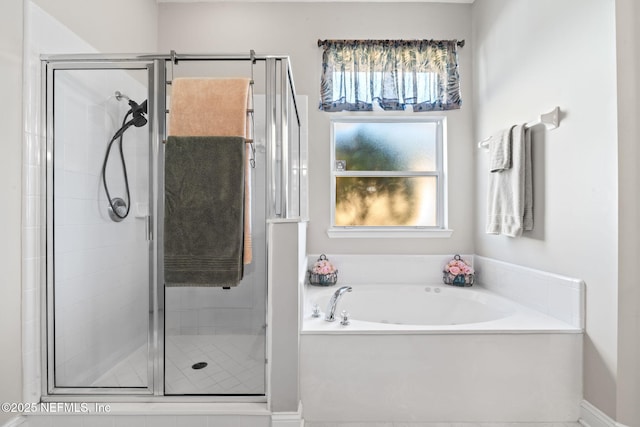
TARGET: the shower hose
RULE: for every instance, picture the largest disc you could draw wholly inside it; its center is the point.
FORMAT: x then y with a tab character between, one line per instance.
118	136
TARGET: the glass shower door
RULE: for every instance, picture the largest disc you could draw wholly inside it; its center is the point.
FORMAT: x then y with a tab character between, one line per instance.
99	249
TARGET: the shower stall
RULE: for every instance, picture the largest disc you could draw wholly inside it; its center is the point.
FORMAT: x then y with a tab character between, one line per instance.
110	327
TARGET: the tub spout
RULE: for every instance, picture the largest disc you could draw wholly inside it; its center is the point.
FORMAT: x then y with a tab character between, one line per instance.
333	303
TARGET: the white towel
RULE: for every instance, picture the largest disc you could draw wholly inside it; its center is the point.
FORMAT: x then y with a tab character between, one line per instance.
500	150
527	217
510	197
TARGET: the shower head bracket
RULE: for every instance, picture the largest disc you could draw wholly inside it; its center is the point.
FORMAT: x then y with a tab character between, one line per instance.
120	207
120	96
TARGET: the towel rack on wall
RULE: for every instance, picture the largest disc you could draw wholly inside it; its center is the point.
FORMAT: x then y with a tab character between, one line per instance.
551	120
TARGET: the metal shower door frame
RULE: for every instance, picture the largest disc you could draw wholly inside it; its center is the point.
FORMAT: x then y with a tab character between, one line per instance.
49	391
279	84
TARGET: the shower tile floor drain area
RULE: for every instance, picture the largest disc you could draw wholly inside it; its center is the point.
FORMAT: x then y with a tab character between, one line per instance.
235	364
199	364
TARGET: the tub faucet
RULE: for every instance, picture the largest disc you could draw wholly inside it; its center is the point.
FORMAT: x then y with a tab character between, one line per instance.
333	303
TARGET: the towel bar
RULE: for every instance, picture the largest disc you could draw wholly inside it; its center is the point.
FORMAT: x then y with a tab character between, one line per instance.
169	82
551	120
249	111
247	141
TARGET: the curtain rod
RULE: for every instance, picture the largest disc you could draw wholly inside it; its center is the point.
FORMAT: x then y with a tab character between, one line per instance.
459	43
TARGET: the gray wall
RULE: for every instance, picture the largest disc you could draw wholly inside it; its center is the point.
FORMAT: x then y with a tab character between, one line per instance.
529	56
293	29
113	26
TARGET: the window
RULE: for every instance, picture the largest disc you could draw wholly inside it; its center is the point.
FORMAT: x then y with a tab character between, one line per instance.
387	174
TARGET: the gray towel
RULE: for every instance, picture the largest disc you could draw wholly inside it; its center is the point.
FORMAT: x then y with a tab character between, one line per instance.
510	196
204	210
500	150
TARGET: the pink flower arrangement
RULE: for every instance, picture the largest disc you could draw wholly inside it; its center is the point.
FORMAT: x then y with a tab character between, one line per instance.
323	266
458	266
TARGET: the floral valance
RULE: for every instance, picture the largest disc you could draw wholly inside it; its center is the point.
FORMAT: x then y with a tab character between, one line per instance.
394	73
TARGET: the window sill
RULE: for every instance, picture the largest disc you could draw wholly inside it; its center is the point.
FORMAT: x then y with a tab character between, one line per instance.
349	232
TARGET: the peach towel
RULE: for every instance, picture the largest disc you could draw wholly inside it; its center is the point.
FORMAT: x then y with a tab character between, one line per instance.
215	107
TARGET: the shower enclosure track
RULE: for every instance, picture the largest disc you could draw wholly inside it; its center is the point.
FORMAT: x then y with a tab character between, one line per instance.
175	58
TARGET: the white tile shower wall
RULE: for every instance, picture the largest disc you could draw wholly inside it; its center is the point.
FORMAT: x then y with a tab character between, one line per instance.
558	296
101	267
210	311
213	311
101	275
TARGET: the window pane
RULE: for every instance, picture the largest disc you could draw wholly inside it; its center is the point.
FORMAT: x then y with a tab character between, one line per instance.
397	146
386	201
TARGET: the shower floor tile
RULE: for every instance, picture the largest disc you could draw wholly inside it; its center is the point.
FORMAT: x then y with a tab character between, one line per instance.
130	372
235	365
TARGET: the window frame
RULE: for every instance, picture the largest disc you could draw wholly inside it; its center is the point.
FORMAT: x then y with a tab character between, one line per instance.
441	227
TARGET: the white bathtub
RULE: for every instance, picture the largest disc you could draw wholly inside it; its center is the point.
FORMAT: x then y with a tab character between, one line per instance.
437	353
415	308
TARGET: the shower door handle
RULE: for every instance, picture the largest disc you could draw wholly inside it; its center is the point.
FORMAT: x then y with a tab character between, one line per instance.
148	228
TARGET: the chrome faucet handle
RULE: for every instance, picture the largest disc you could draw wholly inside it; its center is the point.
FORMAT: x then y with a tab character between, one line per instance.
316	311
345	318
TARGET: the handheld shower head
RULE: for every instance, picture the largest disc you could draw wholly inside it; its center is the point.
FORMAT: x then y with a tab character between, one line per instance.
138	121
138	112
138	109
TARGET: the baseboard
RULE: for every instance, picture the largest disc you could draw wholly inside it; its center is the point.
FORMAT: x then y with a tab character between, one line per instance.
590	416
288	419
15	422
